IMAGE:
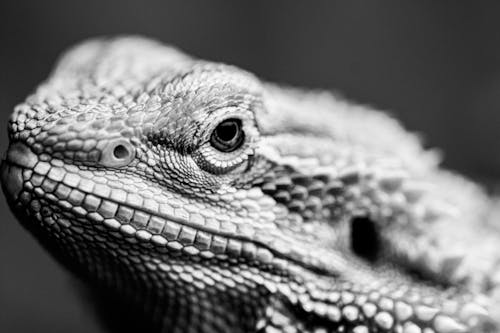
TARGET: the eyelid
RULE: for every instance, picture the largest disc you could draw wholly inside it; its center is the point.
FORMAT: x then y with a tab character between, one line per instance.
213	119
218	162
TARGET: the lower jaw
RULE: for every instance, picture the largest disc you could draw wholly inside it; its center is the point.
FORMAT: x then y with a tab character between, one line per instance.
37	201
13	181
75	234
36	190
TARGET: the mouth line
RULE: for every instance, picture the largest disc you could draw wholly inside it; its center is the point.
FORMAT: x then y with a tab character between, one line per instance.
322	270
229	243
267	253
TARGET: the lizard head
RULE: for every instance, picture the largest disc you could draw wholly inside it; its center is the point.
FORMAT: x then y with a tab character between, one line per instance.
152	173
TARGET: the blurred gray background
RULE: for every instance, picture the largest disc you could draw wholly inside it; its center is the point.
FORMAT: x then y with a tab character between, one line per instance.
433	64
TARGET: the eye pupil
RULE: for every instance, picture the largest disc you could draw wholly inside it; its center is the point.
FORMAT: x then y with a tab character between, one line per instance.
228	135
227	130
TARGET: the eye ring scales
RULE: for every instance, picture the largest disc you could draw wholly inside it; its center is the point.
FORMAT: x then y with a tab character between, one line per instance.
228	135
117	153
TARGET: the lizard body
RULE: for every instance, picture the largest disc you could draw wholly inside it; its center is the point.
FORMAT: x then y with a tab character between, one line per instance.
211	201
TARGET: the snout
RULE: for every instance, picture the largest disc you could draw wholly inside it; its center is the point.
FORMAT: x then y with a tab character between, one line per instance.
19	156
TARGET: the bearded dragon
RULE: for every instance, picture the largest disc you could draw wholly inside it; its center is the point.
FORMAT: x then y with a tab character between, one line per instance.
209	200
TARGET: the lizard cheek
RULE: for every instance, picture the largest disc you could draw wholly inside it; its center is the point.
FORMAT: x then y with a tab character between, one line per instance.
117	153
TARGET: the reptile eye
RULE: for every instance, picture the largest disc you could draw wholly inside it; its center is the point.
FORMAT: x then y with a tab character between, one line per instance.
228	135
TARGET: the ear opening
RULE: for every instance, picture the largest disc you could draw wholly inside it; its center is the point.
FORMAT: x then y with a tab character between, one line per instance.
365	238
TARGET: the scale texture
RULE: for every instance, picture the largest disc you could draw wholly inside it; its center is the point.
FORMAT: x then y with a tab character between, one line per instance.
207	200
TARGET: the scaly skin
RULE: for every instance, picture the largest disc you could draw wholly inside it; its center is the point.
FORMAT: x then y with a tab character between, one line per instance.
325	217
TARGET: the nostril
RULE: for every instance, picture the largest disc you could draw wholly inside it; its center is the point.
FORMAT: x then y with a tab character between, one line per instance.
117	153
121	152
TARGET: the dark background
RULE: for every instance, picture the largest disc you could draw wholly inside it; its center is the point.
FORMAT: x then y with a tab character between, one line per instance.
433	64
